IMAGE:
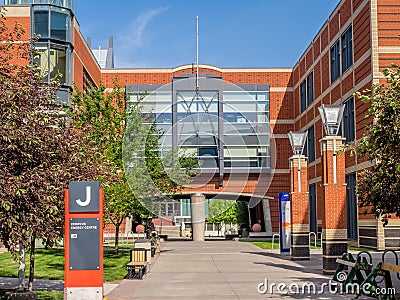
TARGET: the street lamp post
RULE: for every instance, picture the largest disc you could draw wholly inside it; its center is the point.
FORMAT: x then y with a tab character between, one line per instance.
334	222
300	222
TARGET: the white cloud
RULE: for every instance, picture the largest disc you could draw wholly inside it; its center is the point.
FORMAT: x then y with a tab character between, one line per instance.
132	37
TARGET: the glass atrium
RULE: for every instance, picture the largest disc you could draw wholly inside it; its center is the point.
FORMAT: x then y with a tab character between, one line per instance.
226	126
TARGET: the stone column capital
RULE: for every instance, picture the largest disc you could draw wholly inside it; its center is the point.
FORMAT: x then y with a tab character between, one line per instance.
295	159
331	143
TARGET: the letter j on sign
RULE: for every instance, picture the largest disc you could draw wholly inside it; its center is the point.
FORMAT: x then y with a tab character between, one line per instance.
84	196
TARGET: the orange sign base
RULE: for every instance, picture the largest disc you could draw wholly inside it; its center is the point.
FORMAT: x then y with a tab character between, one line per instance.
77	281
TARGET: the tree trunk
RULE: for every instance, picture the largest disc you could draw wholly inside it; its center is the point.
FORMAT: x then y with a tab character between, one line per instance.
116	237
32	263
21	271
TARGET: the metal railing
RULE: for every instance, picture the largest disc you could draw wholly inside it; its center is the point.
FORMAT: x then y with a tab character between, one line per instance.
273	239
315	235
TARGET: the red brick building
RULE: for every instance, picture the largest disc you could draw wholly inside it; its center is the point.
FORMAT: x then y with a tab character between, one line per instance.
358	40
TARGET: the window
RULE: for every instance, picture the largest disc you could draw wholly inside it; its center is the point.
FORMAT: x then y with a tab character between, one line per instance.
245	129
52	24
41	23
310	144
347	49
58	64
303	103
351	206
335	61
53	27
348	120
42	59
342	47
312	198
185	207
306	92
54	61
310	89
59	26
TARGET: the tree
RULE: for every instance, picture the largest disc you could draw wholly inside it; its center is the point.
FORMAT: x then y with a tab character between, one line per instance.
40	152
154	173
120	132
119	204
243	212
223	211
379	185
102	115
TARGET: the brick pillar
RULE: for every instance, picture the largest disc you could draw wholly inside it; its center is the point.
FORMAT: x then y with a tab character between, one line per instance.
334	217
300	217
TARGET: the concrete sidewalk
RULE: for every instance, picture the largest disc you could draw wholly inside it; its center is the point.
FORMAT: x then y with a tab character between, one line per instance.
222	270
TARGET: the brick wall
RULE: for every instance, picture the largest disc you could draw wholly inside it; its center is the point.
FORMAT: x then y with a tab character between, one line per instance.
84	59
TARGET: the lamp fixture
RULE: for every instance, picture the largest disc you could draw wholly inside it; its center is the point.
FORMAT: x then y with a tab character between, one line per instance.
297	141
331	116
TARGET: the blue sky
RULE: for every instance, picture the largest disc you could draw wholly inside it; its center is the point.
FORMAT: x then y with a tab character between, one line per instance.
232	33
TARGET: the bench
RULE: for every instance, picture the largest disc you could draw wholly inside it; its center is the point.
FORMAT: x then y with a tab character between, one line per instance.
138	263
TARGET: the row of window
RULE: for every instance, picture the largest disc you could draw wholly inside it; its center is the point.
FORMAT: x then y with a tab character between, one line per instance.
211	117
341	58
52	25
209	162
342	54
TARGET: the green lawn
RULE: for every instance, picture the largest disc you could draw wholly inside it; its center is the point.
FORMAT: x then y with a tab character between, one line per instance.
115	265
50	295
266	245
47	295
49	264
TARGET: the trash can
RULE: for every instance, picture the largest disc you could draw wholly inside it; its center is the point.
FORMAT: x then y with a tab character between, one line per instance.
245	233
145	244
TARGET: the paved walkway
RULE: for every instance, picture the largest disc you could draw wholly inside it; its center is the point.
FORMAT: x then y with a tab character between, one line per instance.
222	270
